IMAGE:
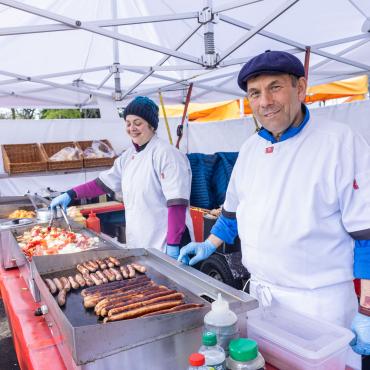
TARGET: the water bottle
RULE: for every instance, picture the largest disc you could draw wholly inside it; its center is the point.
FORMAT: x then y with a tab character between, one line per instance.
222	321
214	354
196	362
244	355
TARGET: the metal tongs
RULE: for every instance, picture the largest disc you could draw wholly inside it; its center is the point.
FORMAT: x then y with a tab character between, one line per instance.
53	212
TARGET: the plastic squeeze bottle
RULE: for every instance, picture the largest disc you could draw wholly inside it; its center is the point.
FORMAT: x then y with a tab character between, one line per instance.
93	222
244	355
196	362
222	321
214	354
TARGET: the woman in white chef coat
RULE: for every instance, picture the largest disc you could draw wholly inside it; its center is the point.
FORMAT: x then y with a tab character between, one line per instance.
154	178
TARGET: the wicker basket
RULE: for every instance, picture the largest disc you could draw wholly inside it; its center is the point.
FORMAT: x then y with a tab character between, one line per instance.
96	162
20	158
49	149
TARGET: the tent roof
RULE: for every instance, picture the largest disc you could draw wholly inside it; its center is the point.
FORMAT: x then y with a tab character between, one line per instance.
71	52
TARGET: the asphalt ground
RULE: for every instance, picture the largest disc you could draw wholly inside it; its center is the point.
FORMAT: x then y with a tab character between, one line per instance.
8	358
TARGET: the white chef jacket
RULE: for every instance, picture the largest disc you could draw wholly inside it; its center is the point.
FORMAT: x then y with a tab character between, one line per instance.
150	180
296	203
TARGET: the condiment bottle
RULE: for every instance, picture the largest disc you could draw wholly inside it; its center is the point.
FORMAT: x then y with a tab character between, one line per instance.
196	362
214	354
244	355
93	222
222	321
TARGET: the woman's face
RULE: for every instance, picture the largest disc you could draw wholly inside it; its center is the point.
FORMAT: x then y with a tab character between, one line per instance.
138	129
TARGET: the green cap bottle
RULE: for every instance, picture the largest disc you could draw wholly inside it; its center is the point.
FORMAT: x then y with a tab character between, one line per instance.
243	349
209	338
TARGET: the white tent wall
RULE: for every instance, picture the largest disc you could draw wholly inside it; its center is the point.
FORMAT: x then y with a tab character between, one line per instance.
199	137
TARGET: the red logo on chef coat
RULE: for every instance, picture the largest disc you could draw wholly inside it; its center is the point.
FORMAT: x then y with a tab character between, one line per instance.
269	149
162	175
355	185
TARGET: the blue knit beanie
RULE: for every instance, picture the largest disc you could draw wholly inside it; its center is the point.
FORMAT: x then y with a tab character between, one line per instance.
145	108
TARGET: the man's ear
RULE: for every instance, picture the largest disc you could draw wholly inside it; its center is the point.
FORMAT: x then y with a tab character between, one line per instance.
302	87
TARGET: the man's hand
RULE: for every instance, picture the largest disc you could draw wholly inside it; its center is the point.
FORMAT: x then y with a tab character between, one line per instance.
201	251
61	200
173	251
361	327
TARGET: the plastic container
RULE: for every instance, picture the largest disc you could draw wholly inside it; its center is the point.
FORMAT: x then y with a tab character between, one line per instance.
222	321
213	353
93	222
196	362
244	355
289	340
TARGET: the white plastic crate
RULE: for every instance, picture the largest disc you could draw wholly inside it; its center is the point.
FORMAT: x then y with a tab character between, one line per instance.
291	341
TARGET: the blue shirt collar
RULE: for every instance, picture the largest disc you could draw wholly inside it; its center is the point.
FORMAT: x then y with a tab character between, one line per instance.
290	132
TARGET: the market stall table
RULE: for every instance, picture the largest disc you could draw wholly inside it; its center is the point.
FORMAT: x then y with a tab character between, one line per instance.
34	345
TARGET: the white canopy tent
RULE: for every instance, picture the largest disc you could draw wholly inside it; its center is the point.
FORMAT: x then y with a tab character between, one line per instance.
77	52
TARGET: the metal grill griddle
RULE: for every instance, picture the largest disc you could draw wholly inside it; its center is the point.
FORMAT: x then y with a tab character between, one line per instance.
94	345
78	315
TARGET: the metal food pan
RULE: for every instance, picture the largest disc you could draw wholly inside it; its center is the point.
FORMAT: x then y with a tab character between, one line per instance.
13	256
90	341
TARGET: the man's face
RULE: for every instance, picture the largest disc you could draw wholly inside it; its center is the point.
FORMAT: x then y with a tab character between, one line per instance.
276	100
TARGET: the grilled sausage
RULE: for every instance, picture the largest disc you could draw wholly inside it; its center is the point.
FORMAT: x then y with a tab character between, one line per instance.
80	280
115	261
116	284
101	276
141	303
124	272
94	264
108	262
131	271
82	269
73	282
61	298
142	311
88	280
58	284
180	308
88	266
139	268
95	279
102	264
52	287
109	275
66	283
116	273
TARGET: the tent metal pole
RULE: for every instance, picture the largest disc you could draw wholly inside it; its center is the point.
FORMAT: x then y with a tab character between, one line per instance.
115	67
23	30
49	83
343	52
298	45
278	12
162	61
180	127
307	61
100	31
48	99
59	74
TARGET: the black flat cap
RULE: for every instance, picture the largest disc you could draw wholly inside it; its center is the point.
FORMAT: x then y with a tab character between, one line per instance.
270	62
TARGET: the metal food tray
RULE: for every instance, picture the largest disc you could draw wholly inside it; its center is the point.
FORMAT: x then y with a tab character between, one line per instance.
14	254
155	342
7	206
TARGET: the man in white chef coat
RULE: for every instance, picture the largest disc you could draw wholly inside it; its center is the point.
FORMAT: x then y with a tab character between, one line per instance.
299	198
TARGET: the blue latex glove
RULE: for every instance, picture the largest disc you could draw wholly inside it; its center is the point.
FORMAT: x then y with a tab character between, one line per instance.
173	251
61	200
201	250
361	327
